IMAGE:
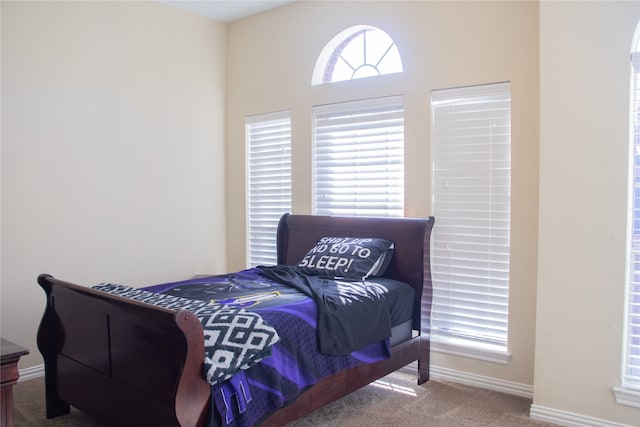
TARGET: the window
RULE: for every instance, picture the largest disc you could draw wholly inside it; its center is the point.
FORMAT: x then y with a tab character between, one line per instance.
268	139
358	163
629	392
471	154
360	51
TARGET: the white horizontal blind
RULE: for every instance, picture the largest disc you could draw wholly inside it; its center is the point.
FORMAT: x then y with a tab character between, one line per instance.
358	158
269	183
631	369
471	154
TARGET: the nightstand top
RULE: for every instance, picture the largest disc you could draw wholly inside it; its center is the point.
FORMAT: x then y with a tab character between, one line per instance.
9	350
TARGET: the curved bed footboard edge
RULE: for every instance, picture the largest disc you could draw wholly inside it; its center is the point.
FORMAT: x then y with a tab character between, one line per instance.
193	394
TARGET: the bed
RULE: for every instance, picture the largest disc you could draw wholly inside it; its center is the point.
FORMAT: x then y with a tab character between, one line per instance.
129	363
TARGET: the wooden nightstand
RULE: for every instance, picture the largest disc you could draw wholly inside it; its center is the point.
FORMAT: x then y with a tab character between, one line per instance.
10	354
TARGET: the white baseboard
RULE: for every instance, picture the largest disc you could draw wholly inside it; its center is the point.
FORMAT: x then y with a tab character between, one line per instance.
537	412
509	387
569	419
31	373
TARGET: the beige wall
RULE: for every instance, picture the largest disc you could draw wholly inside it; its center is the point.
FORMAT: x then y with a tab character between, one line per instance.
584	137
443	44
112	149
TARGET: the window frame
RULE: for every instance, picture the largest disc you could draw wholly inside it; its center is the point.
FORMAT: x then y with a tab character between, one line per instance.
628	392
354	124
449	334
263	221
323	71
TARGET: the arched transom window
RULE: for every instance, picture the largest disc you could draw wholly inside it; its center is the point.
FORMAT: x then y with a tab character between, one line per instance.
360	51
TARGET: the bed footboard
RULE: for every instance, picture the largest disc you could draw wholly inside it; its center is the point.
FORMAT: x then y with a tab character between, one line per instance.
120	361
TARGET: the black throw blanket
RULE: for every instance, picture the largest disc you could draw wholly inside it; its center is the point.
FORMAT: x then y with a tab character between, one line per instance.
351	315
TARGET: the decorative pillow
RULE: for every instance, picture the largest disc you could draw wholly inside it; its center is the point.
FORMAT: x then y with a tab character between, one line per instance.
349	257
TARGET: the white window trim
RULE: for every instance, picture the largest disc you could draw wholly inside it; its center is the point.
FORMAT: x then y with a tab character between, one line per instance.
626	396
470	349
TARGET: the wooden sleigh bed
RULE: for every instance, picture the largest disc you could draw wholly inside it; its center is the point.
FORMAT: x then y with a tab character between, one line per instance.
127	363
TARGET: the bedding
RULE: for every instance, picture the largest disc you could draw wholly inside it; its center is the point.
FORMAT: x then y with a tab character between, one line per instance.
235	339
287	299
351	314
349	257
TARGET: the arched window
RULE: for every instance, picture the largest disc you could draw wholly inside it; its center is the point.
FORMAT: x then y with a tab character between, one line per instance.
360	51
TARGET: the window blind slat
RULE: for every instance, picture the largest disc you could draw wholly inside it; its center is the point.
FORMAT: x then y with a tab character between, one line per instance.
269	183
471	157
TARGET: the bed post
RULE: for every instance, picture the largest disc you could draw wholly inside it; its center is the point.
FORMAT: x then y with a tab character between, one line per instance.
282	237
46	344
425	307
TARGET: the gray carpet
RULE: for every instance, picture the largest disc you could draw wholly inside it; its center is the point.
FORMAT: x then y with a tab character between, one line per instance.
395	400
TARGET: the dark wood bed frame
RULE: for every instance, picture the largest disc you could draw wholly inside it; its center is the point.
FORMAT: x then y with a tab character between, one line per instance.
127	363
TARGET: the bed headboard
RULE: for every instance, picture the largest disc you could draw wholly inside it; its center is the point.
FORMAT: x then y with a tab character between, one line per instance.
411	262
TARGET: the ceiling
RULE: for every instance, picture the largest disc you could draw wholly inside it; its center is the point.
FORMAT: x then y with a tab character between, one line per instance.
226	10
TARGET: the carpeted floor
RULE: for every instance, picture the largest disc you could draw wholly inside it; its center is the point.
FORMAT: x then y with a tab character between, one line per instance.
395	400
